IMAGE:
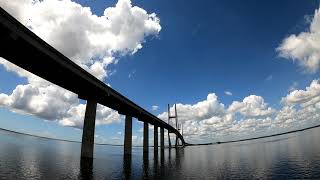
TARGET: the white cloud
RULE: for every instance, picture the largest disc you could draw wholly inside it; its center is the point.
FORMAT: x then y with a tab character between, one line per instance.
250	117
228	93
75	116
307	97
304	47
18	8
251	106
199	111
48	102
89	40
154	108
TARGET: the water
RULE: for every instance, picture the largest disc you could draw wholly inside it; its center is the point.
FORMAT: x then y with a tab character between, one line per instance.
292	156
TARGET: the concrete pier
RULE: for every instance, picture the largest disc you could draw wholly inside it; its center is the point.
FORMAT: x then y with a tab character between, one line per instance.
162	138
145	137
128	135
155	139
88	129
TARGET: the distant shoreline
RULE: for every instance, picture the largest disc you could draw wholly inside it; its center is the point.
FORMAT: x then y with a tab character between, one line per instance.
56	139
260	137
187	144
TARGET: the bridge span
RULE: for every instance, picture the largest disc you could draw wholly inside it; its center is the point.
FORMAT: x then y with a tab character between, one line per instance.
22	47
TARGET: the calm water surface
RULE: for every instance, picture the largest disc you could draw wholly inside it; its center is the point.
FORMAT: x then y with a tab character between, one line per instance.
292	156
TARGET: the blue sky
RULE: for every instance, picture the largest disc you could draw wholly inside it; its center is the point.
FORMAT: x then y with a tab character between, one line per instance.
214	46
203	47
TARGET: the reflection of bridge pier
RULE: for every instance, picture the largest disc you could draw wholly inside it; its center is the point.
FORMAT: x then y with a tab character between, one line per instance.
23	48
127	163
86	166
145	165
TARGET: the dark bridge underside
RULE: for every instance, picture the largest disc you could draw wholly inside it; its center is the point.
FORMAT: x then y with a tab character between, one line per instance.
23	48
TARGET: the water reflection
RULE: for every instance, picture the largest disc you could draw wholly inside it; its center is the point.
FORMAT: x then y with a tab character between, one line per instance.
127	161
162	162
145	166
295	156
179	154
155	163
86	166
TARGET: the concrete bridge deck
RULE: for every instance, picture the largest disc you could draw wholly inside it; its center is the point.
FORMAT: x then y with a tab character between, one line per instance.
22	47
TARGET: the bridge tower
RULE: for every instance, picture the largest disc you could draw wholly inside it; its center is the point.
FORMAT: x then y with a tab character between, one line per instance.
174	117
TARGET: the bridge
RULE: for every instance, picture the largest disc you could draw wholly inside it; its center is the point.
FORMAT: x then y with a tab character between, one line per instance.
23	48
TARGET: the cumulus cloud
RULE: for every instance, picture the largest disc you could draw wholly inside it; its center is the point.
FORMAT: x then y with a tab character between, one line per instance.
75	116
251	106
89	40
210	115
40	101
48	101
250	117
304	98
93	42
304	47
199	111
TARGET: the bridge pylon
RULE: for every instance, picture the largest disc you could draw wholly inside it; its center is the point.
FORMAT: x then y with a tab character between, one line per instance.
177	125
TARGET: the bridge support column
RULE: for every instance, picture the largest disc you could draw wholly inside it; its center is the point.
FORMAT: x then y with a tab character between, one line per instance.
155	139
88	129
162	138
169	140
128	135
145	137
